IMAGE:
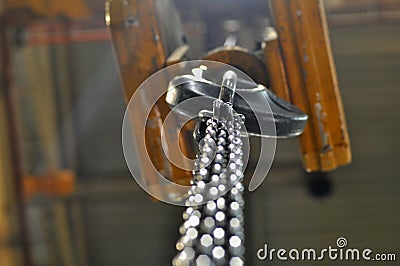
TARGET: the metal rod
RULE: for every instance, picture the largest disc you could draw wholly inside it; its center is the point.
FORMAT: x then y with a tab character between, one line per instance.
228	87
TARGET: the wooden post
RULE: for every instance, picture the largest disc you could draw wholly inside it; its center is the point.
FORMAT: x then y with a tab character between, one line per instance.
140	53
43	92
304	41
13	178
63	234
78	222
41	89
8	254
276	67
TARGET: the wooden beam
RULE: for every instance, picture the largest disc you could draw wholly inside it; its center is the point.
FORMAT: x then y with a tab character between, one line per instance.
80	234
276	68
39	72
12	179
64	234
66	125
73	9
8	254
140	53
304	41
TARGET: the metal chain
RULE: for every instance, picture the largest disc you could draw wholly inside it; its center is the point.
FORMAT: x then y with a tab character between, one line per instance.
213	233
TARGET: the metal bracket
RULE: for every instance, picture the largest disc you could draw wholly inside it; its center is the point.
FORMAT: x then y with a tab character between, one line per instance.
288	119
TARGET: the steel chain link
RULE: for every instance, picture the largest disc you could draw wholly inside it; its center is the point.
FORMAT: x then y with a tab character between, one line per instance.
213	233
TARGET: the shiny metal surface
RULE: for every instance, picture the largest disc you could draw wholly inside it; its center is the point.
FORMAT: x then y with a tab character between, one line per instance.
287	118
212	233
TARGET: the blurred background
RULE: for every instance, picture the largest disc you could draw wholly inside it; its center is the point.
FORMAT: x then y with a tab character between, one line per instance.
66	196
